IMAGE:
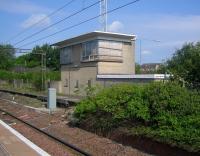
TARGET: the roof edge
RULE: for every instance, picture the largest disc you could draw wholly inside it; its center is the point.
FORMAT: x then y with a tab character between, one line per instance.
107	32
95	33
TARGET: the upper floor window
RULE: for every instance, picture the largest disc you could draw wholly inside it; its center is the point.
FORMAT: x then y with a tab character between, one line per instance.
65	55
102	50
110	48
89	49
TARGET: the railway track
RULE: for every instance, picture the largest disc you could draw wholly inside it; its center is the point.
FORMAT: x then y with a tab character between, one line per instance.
59	138
56	139
61	102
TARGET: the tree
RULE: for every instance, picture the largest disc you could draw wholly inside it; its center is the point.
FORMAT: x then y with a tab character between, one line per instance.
162	69
7	56
137	68
34	60
185	65
52	56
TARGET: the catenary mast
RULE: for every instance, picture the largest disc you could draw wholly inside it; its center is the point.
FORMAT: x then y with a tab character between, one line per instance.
103	13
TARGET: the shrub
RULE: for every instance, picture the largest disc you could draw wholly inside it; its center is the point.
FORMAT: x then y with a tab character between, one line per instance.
166	111
169	99
118	103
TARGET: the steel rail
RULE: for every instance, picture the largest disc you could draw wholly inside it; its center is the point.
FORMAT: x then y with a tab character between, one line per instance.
76	149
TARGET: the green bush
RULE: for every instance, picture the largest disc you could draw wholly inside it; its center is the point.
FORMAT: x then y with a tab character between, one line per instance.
121	101
165	111
169	99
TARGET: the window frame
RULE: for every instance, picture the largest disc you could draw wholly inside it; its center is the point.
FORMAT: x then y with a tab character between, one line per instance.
109	50
89	48
67	53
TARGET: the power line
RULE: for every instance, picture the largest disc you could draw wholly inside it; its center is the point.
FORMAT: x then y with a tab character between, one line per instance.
80	23
73	14
54	12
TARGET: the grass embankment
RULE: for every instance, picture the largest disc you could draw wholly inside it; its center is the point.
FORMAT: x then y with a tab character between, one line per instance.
33	80
165	112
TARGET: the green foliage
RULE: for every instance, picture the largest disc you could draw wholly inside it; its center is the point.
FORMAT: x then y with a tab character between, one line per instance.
185	65
113	103
92	90
52	55
162	69
28	60
7	55
84	108
33	60
7	75
54	75
137	68
164	111
34	77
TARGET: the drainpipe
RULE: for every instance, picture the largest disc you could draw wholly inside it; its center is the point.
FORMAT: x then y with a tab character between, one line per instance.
133	42
69	81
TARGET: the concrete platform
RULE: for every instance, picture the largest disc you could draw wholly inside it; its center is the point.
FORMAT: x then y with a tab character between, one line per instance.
13	143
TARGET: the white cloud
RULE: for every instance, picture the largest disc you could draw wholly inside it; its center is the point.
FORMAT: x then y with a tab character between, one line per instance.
173	30
175	23
146	52
115	26
21	6
33	19
164	27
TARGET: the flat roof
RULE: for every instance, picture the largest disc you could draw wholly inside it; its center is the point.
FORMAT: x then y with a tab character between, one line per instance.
93	35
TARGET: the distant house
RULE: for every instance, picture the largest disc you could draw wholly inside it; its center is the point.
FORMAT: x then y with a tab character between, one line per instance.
150	68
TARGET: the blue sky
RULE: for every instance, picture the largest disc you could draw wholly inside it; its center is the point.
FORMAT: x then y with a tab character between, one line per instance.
173	22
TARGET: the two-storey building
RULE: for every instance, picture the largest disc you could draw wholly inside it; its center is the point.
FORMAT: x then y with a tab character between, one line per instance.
86	57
